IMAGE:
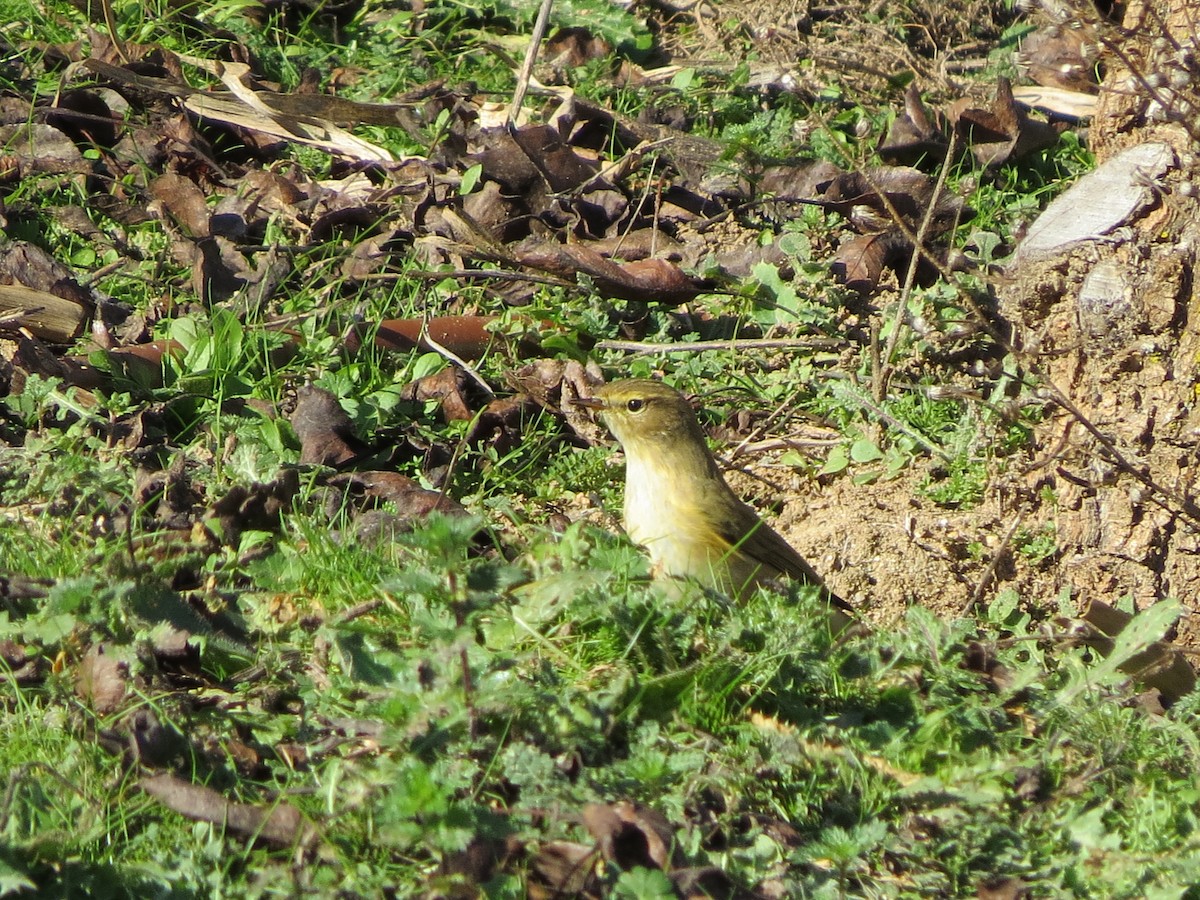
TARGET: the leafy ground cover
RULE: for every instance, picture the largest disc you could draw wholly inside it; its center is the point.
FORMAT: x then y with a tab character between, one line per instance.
311	577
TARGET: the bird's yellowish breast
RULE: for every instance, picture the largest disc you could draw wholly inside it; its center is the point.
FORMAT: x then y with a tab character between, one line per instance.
663	512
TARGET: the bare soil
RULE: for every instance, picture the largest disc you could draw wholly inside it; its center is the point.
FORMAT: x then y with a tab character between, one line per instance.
1116	497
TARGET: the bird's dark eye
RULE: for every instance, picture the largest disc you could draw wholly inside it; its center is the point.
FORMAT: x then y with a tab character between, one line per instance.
635	404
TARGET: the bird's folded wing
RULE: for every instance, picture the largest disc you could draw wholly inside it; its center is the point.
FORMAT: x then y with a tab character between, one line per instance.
753	537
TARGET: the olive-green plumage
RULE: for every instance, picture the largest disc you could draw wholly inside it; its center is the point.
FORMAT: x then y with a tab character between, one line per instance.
677	504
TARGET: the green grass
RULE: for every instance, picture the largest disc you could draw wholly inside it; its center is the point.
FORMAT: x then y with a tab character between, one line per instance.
903	769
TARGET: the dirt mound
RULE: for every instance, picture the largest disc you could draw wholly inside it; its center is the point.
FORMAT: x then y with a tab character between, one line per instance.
1100	507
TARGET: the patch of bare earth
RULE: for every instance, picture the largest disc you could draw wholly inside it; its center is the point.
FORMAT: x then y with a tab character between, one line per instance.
1112	324
1117	497
1112	479
882	546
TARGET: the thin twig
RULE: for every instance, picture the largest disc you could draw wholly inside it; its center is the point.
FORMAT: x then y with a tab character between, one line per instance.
643	348
357	611
651	181
472	274
526	73
914	261
770	445
456	359
110	22
990	572
759	430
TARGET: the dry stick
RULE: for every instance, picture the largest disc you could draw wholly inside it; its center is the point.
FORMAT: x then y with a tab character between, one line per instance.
989	573
472	274
761	429
110	22
910	276
357	611
645	348
535	43
769	445
102	272
638	209
658	194
456	359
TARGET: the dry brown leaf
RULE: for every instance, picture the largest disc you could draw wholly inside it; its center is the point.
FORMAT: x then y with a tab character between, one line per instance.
795	181
705	883
255	507
1002	131
630	834
860	262
914	135
181	199
102	679
647	280
1003	887
1159	666
860	197
29	356
23	666
449	388
325	430
411	501
501	423
279	825
482	858
34	149
563	869
556	385
569	48
142	363
497	213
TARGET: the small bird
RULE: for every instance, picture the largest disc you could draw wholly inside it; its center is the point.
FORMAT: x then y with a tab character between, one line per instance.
677	503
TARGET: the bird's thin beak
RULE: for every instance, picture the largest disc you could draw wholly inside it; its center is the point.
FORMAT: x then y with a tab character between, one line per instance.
590	402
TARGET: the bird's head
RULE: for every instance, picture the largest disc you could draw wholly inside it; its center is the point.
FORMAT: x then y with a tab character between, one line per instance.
646	415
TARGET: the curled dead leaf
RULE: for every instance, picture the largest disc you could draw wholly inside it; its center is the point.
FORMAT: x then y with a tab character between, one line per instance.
860	261
325	430
631	834
279	825
102	679
913	136
563	869
646	280
1002	131
367	490
449	388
